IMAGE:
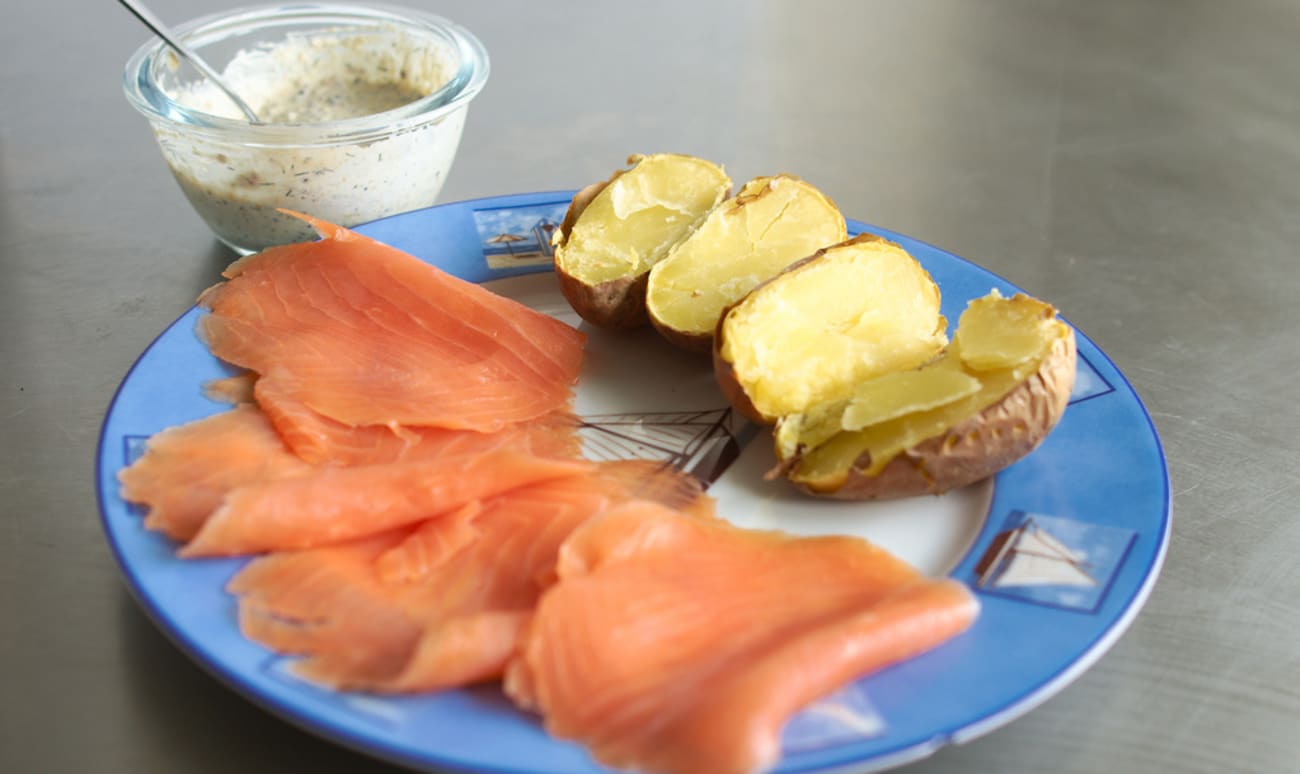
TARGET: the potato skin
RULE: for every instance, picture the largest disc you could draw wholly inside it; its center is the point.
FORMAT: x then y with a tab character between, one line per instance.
725	374
616	304
976	447
700	343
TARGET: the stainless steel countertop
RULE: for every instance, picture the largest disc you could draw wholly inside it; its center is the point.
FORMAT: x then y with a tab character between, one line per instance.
1135	162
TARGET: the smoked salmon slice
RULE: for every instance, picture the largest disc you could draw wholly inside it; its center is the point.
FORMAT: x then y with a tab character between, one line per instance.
187	470
366	334
327	604
332	504
404	457
519	539
232	389
443	603
320	440
673	644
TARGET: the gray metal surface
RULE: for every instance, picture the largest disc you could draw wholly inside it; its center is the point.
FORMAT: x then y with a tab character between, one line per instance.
1135	162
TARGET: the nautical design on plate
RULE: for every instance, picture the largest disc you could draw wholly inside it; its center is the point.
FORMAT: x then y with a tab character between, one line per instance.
702	443
1052	561
512	237
843	717
1088	383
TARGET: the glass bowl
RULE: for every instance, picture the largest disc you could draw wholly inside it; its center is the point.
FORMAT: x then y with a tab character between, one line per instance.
346	170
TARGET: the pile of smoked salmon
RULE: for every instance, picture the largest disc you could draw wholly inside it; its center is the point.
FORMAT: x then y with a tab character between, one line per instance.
403	462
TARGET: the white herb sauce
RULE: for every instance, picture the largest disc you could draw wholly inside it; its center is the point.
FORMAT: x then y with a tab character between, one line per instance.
301	82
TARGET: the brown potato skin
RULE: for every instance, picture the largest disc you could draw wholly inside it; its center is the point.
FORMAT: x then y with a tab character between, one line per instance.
616	304
700	343
977	447
725	374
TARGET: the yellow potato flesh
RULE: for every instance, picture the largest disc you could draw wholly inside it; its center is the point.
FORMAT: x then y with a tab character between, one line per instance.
633	222
833	445
860	309
995	332
906	392
770	224
808	430
827	466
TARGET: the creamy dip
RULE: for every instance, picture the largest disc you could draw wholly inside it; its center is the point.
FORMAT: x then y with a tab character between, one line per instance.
236	183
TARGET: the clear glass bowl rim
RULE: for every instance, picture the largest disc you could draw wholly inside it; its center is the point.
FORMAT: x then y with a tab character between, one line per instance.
143	92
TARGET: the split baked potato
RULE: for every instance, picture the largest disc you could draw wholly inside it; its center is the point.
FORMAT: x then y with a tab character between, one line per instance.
614	231
991	398
839	344
771	223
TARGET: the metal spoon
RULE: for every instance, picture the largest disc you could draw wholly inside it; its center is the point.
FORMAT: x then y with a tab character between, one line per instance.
145	15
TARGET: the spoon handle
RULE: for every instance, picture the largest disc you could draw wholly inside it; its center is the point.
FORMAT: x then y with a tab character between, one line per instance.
153	23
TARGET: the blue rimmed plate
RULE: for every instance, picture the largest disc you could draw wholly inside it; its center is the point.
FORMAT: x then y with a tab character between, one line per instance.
1062	548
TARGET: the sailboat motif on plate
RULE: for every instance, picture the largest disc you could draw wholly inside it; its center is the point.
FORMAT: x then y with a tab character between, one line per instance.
1053	560
703	443
1030	556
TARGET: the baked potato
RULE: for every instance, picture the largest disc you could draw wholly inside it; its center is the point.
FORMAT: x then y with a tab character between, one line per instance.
615	230
771	223
807	337
990	399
